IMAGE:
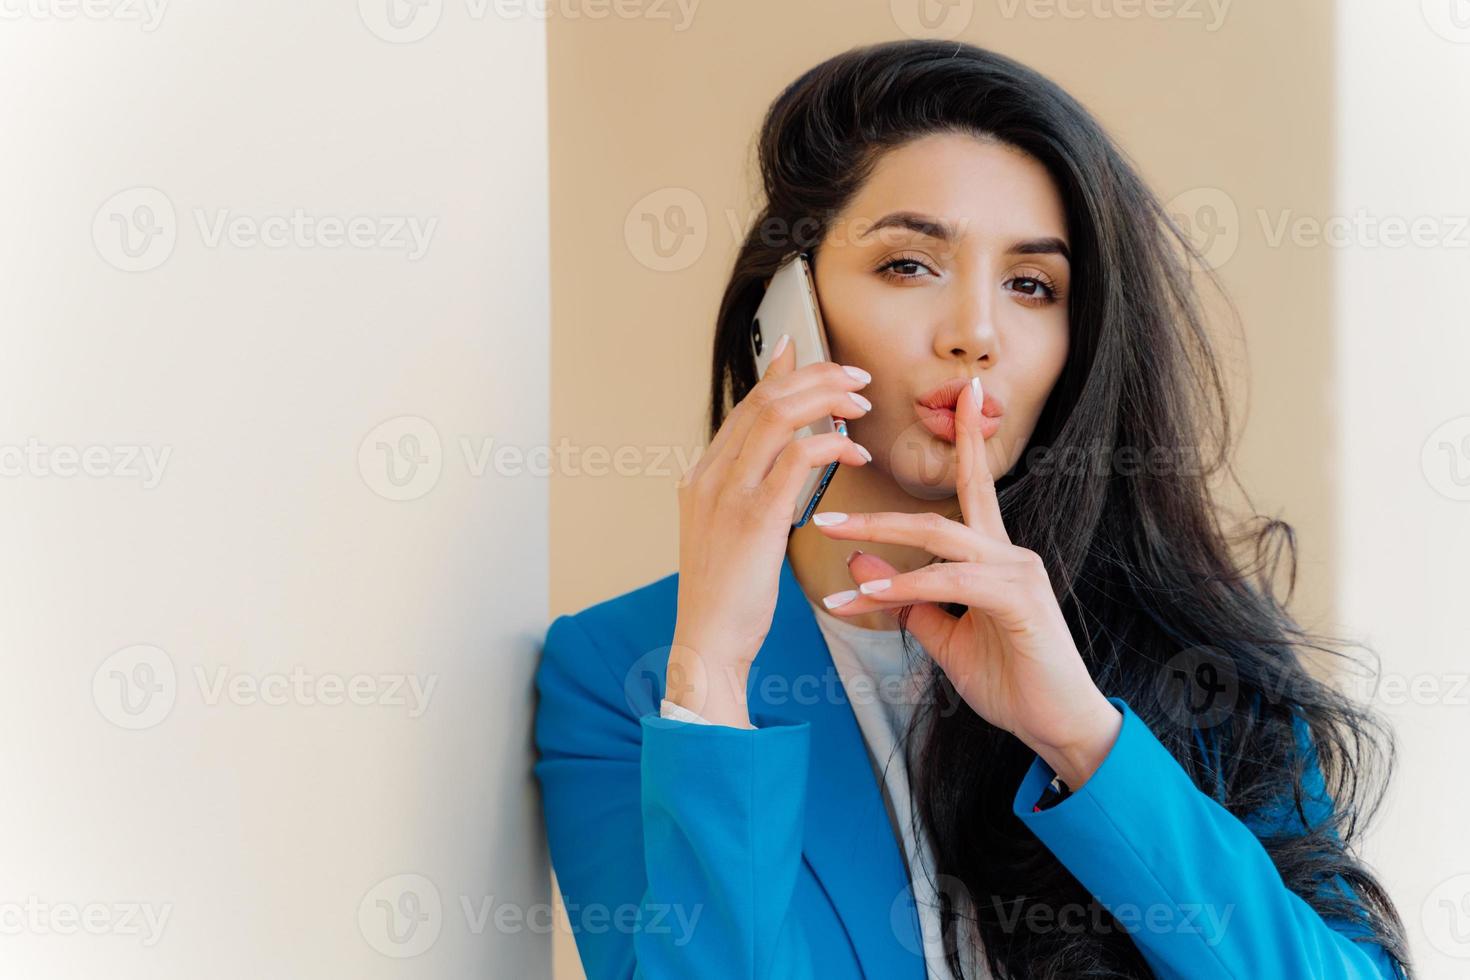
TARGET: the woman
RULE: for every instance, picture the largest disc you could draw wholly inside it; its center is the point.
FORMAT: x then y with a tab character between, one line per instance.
1105	755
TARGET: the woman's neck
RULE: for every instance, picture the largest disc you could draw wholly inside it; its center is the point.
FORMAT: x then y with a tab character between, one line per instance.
820	563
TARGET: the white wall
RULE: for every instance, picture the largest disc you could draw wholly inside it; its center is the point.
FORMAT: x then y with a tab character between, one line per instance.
1404	440
155	822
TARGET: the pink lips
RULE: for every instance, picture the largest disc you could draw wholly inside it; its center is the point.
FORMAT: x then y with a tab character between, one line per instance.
936	410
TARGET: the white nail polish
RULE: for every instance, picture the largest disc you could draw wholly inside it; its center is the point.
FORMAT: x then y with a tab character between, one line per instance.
857	373
827	517
877	585
866	455
839	598
862	402
780	345
979	394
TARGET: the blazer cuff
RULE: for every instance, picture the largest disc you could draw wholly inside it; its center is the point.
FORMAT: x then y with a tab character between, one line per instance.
1190	882
1130	747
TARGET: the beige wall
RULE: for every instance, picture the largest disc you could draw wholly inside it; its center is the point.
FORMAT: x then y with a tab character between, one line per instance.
1239	107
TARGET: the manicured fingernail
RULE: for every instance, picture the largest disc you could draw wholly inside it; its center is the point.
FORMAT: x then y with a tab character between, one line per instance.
862	402
854	554
828	517
780	345
839	598
877	585
866	455
975	389
857	373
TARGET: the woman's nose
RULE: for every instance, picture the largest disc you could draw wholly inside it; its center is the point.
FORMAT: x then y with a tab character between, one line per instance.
967	331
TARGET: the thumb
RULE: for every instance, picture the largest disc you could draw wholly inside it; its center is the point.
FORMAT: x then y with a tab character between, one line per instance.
929	623
784	360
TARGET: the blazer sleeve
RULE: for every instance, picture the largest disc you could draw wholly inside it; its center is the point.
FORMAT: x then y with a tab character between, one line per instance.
1188	880
676	846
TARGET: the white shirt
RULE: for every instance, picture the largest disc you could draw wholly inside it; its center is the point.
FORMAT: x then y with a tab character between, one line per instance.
883	692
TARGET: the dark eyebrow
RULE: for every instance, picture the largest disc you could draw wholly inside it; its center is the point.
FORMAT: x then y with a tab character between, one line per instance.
1042	246
919	223
938	228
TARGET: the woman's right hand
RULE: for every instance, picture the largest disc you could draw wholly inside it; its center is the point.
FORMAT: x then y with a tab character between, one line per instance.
735	509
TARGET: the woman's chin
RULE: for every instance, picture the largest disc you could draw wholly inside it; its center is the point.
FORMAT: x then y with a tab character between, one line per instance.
923	464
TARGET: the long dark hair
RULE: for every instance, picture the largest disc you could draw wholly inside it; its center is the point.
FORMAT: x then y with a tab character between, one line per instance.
1153	587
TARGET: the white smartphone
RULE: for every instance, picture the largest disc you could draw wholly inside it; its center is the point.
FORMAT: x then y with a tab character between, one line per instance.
790	307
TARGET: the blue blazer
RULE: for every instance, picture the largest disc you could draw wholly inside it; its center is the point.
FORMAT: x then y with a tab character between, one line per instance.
692	851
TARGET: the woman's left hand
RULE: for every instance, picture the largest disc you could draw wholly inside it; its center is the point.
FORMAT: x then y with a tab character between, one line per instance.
1011	655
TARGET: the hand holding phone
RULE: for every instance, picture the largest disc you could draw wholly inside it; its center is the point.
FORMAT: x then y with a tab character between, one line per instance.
735	513
790	307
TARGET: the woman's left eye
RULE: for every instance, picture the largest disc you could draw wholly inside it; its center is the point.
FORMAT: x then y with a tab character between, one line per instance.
1035	290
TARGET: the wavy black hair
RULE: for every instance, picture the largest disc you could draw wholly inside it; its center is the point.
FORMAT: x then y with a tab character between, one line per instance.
1154	588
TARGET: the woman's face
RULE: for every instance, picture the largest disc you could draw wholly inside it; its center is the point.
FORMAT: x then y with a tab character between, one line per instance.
950	262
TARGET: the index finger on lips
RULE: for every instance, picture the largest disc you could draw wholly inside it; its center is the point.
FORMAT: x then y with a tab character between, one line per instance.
975	485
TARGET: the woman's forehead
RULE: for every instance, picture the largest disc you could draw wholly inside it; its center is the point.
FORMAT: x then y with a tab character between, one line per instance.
952	188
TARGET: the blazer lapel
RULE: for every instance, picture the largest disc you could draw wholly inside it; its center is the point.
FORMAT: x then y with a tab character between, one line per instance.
849	842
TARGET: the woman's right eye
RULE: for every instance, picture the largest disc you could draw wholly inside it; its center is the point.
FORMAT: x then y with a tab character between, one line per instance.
890	269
